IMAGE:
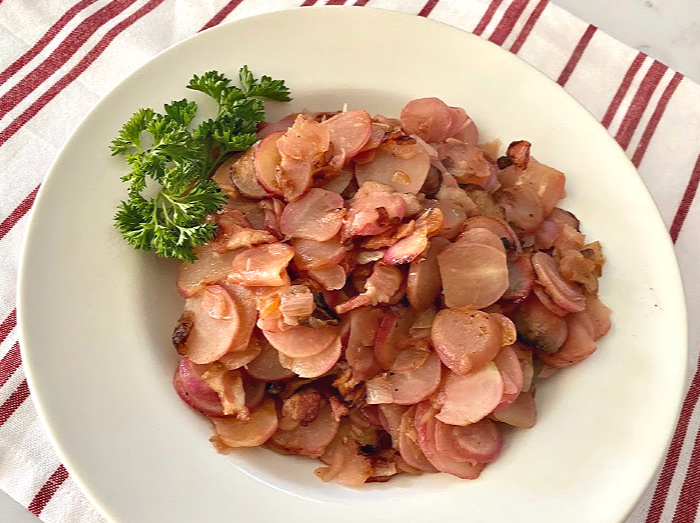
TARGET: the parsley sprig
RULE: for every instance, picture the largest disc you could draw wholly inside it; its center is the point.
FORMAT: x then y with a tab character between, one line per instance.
163	149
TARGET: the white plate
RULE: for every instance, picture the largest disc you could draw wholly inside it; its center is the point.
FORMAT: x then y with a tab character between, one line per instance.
96	316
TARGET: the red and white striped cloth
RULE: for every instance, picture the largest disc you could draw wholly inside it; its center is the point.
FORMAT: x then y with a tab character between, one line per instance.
58	57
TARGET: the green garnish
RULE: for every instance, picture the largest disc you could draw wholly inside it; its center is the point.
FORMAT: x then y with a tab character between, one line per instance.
163	148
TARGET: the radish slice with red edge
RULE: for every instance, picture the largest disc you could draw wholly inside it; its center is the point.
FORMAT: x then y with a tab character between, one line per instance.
253	433
469	398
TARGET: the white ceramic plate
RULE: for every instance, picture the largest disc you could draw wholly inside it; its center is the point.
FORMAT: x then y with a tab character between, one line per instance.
96	316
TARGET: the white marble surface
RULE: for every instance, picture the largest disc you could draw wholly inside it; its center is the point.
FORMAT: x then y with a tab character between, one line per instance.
668	30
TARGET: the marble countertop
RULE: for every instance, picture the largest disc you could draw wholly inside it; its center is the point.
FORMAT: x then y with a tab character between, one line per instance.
668	30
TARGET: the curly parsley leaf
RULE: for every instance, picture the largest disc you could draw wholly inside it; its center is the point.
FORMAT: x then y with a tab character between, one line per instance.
165	153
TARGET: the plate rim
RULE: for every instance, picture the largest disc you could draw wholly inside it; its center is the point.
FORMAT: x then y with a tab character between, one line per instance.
23	284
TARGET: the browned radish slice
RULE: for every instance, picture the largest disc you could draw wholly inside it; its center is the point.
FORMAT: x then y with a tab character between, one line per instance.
254	391
465	339
318	215
406	388
416	385
431	119
267	128
500	228
412	246
426	422
339	183
332	278
482	236
525	357
521	277
392	331
216	324
235	360
210	267
565	294
266	366
600	316
423	284
453	216
300	341
467	399
409	442
540	327
315	255
309	439
401	166
547	301
240	170
247	314
390	417
359	353
522	413
349	132
266	162
547	182
473	275
579	343
193	390
522	206
256	431
316	365
512	374
508	332
480	442
262	266
460	120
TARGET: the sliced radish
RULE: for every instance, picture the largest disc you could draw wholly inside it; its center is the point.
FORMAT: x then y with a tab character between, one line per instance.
241	171
315	255
540	327
316	365
309	439
349	132
508	332
256	431
209	267
521	277
467	399
565	294
480	442
332	278
408	442
425	421
473	275
465	339
482	236
266	162
579	343
262	266
406	388
600	316
216	324
522	413
301	342
318	215
511	371
401	166
431	119
390	417
193	390
266	366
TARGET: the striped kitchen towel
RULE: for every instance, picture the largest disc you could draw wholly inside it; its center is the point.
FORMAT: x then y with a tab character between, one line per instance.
59	57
